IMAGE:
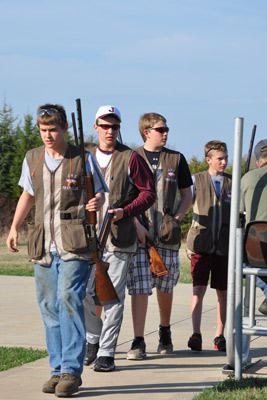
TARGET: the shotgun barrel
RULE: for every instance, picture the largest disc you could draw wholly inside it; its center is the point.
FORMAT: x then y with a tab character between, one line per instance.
105	292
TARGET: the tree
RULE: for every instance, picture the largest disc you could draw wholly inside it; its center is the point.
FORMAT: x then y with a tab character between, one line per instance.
28	137
8	141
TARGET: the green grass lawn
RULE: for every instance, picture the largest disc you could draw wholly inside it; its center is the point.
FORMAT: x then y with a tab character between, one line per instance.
230	389
18	263
11	357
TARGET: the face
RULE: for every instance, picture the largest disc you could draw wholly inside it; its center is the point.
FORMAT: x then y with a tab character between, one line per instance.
107	137
155	140
217	162
53	136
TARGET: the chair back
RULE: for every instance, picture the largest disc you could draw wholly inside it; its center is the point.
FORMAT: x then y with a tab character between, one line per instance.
255	244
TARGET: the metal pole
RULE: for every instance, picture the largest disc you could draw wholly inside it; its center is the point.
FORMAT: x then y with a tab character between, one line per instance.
238	303
234	222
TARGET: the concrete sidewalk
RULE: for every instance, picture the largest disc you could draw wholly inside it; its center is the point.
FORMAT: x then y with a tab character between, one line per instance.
178	376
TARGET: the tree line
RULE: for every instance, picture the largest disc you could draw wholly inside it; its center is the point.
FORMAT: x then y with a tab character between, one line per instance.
16	138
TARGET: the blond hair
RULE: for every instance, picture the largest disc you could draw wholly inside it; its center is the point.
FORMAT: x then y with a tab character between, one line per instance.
148	120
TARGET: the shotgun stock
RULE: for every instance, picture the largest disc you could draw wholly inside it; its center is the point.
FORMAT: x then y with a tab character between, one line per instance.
157	266
105	292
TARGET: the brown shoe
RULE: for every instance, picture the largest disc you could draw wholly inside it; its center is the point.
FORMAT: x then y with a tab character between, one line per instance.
49	386
68	384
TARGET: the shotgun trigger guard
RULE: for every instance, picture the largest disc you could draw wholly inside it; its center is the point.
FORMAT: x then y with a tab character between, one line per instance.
91	238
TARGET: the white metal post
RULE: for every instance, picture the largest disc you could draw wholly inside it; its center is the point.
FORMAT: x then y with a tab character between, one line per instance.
234	223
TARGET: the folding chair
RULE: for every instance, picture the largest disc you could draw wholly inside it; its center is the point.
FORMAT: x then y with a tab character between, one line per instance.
255	256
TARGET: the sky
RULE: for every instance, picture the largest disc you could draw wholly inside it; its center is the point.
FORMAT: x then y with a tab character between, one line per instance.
200	63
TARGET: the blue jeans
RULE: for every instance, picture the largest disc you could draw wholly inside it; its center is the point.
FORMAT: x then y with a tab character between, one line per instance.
60	289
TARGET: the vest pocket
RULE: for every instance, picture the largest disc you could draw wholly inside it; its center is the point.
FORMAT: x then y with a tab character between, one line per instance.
123	233
199	240
35	240
73	236
170	231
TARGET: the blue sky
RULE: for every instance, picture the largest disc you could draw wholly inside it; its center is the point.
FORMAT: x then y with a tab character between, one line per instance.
200	63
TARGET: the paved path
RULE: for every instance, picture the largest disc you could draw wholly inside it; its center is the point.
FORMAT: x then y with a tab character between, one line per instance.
178	376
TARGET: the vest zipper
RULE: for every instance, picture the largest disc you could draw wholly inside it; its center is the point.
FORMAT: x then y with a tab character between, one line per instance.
52	204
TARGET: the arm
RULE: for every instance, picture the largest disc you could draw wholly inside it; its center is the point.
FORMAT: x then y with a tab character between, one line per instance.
185	203
23	207
143	179
142	232
96	202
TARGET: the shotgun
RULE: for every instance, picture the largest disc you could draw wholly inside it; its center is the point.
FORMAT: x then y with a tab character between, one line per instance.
74	129
105	292
157	266
250	147
106	224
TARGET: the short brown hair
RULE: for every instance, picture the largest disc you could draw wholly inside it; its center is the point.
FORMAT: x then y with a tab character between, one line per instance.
214	145
148	120
51	114
262	161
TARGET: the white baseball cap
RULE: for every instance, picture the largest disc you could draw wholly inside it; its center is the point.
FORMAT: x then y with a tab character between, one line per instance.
103	111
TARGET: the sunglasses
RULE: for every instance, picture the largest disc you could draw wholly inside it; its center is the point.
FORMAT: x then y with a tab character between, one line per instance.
106	127
160	129
48	111
217	146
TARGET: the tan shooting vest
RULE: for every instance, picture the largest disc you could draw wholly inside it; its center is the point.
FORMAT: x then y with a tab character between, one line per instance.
59	214
167	201
209	232
123	233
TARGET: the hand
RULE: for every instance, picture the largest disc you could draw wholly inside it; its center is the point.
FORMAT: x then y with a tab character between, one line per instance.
96	202
118	214
142	232
12	241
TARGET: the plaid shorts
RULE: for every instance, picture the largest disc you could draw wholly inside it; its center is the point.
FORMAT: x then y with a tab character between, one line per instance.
139	277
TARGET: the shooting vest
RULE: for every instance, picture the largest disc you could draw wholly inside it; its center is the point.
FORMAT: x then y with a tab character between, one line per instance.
209	232
122	236
59	214
167	201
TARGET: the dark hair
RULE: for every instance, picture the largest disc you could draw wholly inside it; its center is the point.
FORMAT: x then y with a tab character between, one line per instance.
51	114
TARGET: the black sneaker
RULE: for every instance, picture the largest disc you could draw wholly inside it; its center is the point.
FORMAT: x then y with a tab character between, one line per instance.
104	364
263	307
165	341
91	353
195	342
220	343
137	351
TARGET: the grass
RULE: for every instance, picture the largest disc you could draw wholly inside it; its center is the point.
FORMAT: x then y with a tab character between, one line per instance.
18	263
231	389
15	263
11	357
